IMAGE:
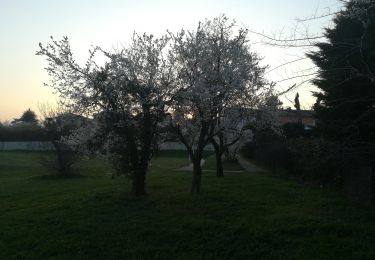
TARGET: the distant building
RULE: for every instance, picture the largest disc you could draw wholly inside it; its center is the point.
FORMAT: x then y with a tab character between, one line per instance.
291	116
283	116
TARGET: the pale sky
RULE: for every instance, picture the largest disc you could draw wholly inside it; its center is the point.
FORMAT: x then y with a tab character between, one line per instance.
109	23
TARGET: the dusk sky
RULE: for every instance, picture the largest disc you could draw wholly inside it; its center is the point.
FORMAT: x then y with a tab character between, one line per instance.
23	24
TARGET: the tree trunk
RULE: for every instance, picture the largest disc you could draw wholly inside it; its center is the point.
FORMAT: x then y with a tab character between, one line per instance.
140	158
60	160
219	164
139	180
197	175
196	156
219	161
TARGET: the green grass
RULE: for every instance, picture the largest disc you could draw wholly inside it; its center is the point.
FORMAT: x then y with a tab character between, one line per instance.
241	216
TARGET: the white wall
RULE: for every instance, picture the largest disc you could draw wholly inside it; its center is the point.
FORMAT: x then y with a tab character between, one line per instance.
28	146
46	146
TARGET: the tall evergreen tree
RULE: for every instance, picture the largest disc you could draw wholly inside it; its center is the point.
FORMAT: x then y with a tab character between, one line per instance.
345	106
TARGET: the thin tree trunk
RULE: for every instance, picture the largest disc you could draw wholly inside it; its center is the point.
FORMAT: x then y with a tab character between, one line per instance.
141	158
196	157
219	160
60	160
219	164
373	181
139	169
197	175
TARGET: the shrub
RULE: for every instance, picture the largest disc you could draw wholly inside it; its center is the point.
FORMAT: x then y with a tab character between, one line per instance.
269	148
248	150
59	127
316	160
62	161
292	130
312	159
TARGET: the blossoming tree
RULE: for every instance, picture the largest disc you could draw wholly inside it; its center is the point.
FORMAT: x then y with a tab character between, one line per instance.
215	70
127	96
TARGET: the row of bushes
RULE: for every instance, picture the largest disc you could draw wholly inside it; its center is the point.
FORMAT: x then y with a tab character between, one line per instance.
317	160
22	132
306	156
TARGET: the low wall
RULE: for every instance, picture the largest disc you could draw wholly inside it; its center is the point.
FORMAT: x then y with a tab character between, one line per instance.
47	146
26	146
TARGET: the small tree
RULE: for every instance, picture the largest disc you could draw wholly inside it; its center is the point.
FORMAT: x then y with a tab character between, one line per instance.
129	94
215	69
59	127
231	136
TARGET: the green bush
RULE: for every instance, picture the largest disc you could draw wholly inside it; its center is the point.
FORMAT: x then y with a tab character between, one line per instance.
294	130
311	159
316	160
248	150
270	149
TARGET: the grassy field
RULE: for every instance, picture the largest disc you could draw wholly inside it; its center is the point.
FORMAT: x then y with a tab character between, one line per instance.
242	216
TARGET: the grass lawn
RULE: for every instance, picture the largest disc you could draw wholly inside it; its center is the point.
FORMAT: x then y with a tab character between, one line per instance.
241	216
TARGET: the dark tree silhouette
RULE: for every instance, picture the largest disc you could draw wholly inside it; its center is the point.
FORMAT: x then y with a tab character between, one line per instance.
297	105
28	116
58	127
345	106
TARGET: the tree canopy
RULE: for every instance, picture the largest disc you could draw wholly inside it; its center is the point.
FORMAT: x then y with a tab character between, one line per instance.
345	106
216	72
28	116
192	76
126	97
